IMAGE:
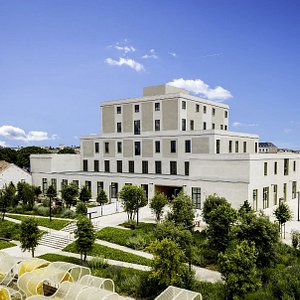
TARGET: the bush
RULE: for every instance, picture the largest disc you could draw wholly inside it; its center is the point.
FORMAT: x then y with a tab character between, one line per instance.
81	208
137	242
67	213
97	262
42	211
296	239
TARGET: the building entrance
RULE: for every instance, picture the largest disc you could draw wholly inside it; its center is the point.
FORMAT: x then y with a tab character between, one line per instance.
169	191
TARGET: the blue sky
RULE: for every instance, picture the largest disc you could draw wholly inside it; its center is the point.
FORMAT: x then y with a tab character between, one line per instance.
60	59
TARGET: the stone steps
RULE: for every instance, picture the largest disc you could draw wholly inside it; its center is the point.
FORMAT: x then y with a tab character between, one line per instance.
55	241
70	227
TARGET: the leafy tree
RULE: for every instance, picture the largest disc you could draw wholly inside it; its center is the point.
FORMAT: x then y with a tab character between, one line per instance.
245	208
23	155
221	220
85	236
81	208
133	198
85	194
295	239
30	235
157	204
37	191
211	202
182	211
51	193
25	194
102	199
167	265
8	154
69	193
239	270
283	214
7	195
66	150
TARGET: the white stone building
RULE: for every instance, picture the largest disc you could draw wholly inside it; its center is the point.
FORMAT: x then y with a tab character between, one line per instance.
169	141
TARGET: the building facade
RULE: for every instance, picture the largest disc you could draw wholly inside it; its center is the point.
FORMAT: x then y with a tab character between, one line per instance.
168	141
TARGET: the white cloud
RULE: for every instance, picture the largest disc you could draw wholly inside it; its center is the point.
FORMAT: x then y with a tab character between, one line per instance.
239	124
198	86
172	54
16	133
151	54
213	54
287	130
125	49
131	63
2	144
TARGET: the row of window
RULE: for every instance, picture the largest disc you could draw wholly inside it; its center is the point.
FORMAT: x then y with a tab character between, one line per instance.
286	164
204	125
236	146
137	108
131	169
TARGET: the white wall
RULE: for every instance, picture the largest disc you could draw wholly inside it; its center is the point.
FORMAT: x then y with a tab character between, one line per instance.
14	174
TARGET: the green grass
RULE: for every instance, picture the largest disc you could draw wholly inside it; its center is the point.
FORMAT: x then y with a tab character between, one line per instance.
57	257
44	221
111	253
6	244
9	230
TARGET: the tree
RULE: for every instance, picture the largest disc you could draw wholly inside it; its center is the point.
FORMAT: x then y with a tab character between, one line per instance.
85	194
69	193
51	193
23	155
37	191
8	154
66	150
26	195
81	208
221	219
182	211
239	271
157	204
30	235
133	198
102	199
245	208
85	236
7	195
211	203
283	214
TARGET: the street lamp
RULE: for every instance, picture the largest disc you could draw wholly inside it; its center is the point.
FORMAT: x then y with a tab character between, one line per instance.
298	205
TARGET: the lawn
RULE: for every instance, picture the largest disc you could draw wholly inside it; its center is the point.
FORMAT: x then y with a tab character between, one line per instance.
43	221
114	254
6	244
9	230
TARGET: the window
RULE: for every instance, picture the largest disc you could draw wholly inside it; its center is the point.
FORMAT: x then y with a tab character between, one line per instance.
275	167
230	147
265	168
106	147
186	168
54	183
88	184
44	186
192	125
85	165
213	125
119	110
255	192
183	124
286	166
284	191
265	197
76	182
137	148
183	104
218	146
173	167
113	190
96	147
197	107
196	196
131	166
119	127
96	165
136	108
225	127
204	109
245	147
157	167
99	186
173	146
157	106
237	147
275	193
256	147
145	188
119	147
106	166
213	112
204	125
64	182
294	189
188	146
145	167
157	146
226	114
221	127
157	125
137	127
119	166
294	166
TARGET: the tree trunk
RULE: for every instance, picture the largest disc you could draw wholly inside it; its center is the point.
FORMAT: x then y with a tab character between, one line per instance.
101	209
50	208
32	252
137	217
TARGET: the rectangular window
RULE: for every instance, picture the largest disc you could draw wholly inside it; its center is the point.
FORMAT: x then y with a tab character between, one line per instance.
213	112
225	127
119	147
157	146
157	125
131	166
204	109
157	167
275	167
255	194
230	147
256	147
213	125
294	189
96	165
96	147
188	146
284	191
221	127
136	108
137	148
173	146
106	147
294	166
119	127
237	147
88	184
119	166
275	193
76	182
186	168
119	110
183	104
192	126
244	147
197	107
137	127
226	114
183	124
196	196
157	106
286	166
218	146
145	167
106	166
99	186
204	125
145	188
113	190
54	183
44	186
64	182
85	165
265	168
173	167
265	197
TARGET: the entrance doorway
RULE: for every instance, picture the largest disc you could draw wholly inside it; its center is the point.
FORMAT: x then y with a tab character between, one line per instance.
169	191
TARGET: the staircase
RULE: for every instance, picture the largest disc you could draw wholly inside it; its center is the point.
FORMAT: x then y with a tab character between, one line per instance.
70	227
55	241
